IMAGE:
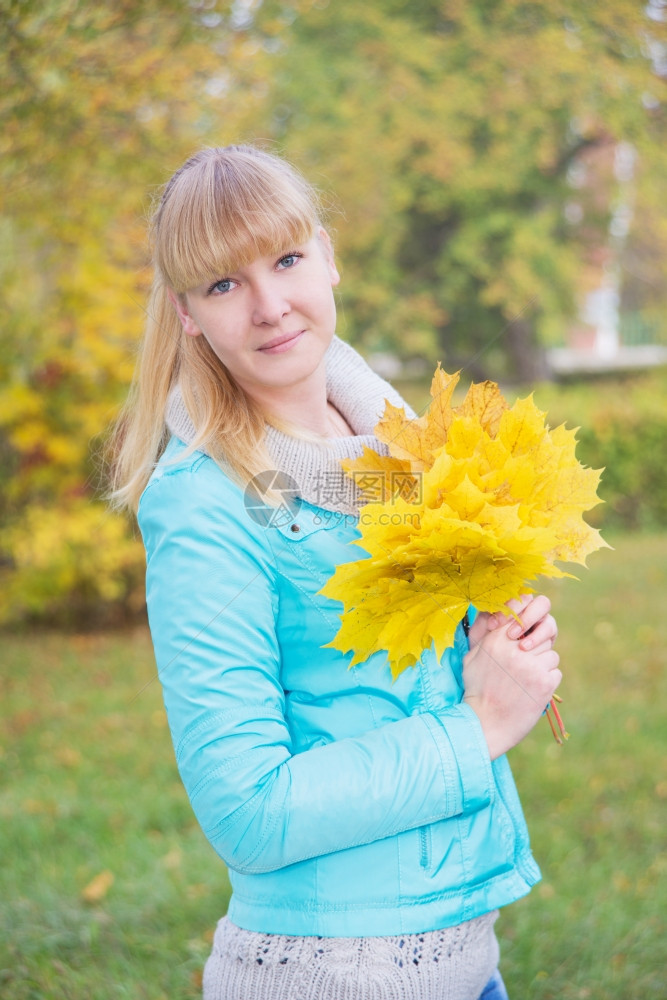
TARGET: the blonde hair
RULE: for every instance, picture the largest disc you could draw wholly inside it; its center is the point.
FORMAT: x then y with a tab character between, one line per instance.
224	208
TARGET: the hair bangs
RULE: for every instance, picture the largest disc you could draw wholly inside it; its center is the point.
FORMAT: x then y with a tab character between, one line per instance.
224	209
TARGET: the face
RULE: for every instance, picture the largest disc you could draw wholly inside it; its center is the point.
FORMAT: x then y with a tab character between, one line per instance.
271	322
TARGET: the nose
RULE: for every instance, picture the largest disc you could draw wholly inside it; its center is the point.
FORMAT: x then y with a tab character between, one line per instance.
270	304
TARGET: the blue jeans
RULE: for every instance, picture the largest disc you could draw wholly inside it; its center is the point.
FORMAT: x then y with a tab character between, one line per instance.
494	989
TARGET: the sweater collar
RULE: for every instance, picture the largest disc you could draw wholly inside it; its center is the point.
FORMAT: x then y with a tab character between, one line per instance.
358	394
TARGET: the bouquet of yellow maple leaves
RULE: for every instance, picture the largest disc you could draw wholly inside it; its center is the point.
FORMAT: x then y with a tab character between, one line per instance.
489	499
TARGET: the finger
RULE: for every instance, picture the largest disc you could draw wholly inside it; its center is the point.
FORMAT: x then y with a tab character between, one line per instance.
516	606
533	612
479	628
543	647
519	604
546	630
555	677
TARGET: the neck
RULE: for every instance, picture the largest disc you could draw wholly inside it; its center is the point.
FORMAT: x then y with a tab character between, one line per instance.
305	407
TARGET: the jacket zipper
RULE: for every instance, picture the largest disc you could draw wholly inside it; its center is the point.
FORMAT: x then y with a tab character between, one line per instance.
424	832
424	847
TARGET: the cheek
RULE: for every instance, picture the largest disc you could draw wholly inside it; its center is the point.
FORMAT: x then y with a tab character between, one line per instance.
221	330
326	303
223	345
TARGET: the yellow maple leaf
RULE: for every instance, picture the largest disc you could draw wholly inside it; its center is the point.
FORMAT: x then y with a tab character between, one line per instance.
375	474
407	439
414	440
486	404
501	501
98	887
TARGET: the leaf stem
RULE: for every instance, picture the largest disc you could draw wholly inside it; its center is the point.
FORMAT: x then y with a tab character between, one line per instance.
563	731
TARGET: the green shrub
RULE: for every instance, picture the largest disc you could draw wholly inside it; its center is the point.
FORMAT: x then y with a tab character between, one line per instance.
623	429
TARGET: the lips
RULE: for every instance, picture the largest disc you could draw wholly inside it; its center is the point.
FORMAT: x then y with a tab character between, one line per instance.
282	342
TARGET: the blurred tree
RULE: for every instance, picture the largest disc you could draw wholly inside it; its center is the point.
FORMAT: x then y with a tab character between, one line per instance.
99	104
452	132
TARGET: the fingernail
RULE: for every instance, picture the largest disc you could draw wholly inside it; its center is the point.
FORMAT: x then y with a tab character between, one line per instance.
514	631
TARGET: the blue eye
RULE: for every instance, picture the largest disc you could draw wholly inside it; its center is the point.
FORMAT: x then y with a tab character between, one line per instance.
222	286
289	260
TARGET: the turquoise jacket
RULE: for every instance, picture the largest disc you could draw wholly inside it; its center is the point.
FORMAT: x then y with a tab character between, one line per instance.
344	804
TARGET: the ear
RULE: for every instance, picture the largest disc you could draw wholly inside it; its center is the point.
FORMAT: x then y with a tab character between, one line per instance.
327	248
179	303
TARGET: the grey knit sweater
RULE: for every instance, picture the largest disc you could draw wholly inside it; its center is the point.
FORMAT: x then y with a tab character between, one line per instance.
358	394
454	963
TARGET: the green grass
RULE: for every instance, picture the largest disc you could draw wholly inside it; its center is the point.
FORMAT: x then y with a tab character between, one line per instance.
89	786
596	808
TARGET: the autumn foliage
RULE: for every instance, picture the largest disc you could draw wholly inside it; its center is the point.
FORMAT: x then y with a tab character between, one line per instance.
453	135
99	103
500	502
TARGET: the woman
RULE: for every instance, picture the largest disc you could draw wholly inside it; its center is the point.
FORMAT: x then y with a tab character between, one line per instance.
371	829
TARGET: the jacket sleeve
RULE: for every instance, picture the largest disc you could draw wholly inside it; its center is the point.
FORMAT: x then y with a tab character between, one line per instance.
212	602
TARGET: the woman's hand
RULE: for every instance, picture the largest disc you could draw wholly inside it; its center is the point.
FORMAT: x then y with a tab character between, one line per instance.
511	671
535	625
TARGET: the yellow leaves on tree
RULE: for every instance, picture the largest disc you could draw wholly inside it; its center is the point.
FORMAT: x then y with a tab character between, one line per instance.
68	563
498	498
